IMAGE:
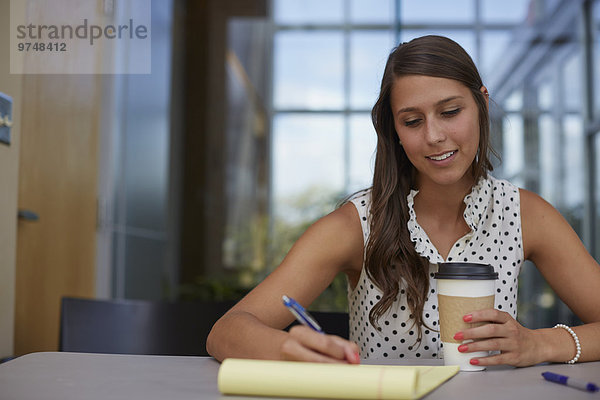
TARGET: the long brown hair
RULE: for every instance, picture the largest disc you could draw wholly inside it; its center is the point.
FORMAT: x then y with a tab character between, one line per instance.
390	256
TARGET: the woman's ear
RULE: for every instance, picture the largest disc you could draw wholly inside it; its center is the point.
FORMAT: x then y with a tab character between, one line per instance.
486	94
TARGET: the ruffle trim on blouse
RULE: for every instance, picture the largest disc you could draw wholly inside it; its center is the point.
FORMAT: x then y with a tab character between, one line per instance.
418	236
477	203
476	206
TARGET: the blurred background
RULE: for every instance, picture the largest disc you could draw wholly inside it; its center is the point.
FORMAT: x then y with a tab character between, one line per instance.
193	182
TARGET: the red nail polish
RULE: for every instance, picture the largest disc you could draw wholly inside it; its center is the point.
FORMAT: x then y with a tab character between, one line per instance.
474	361
462	348
459	336
468	318
357	358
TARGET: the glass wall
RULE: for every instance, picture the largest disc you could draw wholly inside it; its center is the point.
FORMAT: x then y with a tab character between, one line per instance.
328	58
133	195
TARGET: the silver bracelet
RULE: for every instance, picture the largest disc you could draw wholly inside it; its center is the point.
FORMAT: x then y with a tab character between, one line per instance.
576	339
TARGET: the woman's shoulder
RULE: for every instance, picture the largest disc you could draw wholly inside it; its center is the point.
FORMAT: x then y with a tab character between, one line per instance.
339	233
345	218
534	206
540	222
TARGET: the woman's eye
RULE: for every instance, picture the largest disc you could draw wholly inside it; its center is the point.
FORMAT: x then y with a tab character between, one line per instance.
412	122
451	113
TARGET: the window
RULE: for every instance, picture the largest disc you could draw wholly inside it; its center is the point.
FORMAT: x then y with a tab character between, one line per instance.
328	59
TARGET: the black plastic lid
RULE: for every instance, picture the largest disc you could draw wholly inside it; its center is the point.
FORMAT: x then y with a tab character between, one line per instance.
464	270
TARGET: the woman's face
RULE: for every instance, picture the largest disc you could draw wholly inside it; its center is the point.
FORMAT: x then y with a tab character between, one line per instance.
437	122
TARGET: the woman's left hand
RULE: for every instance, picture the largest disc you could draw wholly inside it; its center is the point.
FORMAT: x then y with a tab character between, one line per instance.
518	345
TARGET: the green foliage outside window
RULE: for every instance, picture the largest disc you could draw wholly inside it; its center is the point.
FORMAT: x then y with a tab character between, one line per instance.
253	251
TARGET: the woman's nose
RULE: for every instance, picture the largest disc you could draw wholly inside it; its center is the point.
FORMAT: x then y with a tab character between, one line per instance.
434	133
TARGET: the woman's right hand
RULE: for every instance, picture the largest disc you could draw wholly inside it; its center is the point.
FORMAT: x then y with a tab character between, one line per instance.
305	344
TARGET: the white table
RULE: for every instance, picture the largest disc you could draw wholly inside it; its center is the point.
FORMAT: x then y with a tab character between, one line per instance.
68	376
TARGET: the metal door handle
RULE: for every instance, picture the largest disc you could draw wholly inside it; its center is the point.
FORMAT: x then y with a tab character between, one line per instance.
28	215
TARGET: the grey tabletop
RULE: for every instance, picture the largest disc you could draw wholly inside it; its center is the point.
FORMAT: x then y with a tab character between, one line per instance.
67	376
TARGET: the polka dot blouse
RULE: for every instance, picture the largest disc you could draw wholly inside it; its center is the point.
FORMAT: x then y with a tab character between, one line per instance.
493	214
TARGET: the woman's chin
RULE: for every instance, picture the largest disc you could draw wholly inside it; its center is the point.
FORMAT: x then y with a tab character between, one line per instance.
450	178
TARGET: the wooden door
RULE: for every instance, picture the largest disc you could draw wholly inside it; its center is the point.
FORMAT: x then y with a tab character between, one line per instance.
58	175
57	180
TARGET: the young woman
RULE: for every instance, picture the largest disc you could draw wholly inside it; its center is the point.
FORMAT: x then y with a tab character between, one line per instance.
432	200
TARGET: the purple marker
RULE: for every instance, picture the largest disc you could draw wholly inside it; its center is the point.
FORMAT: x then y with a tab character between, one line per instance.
572	382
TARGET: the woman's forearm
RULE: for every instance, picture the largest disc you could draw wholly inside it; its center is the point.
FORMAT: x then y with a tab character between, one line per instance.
240	334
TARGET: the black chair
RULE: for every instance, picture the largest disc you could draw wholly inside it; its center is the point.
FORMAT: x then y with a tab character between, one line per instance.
137	327
334	323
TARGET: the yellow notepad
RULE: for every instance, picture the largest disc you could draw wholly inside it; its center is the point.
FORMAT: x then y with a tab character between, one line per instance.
339	381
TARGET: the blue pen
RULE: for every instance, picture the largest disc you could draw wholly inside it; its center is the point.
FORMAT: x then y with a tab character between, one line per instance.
301	314
572	382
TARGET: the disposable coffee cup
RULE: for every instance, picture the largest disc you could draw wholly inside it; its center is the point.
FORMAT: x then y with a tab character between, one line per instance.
462	288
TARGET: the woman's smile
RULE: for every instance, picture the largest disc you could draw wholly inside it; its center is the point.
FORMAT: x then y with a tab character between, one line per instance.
442	156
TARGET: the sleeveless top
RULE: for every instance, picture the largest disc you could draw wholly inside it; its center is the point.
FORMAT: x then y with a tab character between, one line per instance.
493	215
